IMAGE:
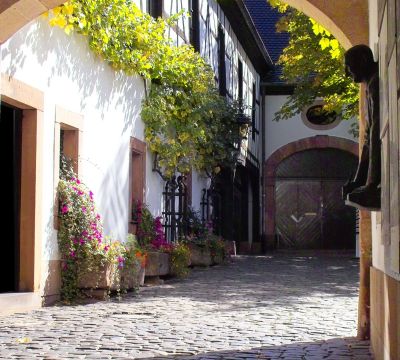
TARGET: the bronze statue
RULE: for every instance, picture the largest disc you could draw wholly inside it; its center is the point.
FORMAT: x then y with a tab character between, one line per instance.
364	191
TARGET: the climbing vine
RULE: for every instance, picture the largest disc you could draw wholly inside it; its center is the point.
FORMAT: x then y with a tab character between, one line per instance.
187	123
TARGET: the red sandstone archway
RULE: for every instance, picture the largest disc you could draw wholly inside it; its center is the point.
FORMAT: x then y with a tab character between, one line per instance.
271	165
346	19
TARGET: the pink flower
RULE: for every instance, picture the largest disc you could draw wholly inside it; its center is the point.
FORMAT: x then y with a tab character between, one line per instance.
84	209
120	261
64	209
106	248
72	253
91	195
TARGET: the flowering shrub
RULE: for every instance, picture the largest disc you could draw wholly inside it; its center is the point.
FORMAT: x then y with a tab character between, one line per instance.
80	235
150	231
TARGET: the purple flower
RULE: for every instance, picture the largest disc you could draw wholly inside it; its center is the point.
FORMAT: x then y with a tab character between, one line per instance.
91	195
72	253
84	209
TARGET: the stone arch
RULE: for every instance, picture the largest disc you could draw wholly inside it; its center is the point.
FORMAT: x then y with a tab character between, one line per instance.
14	14
271	165
346	19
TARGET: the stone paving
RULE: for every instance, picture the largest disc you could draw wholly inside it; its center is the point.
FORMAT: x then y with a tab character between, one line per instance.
289	307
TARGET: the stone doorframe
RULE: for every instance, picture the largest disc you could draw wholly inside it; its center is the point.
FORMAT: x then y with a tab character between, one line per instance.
271	166
31	102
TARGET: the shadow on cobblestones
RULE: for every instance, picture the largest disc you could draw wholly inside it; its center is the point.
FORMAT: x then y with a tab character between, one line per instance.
331	349
252	308
262	281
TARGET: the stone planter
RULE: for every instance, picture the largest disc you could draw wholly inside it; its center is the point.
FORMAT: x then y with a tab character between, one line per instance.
199	255
217	259
132	278
157	264
104	277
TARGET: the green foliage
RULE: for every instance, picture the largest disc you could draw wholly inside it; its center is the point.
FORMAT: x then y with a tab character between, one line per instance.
313	61
84	248
180	258
80	234
191	128
187	123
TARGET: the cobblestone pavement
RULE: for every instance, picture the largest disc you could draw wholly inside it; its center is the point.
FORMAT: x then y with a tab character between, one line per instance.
264	307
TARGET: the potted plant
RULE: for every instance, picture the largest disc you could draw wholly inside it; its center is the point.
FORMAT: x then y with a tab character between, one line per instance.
150	237
132	275
179	259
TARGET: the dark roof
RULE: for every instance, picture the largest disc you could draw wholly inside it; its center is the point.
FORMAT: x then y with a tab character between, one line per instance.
265	18
247	34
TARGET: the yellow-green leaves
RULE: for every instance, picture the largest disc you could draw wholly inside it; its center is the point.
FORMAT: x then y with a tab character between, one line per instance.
313	60
187	123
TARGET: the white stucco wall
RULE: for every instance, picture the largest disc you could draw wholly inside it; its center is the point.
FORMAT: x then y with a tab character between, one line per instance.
199	182
283	132
70	76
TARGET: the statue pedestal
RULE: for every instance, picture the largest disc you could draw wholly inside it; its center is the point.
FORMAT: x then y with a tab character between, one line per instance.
365	200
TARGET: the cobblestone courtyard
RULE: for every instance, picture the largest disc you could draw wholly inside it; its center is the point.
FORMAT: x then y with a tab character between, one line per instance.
265	307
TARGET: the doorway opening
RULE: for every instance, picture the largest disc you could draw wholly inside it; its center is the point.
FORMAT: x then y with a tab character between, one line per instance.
310	211
10	157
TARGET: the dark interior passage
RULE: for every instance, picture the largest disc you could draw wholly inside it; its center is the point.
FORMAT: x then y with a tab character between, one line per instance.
10	159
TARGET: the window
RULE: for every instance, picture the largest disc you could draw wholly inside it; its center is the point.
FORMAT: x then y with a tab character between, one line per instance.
317	118
221	62
137	178
240	82
194	24
253	113
69	147
155	8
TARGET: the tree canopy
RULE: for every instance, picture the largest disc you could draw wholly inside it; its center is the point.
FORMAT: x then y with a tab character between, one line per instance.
313	63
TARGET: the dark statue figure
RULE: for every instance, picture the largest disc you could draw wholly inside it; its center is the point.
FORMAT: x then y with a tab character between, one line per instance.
364	191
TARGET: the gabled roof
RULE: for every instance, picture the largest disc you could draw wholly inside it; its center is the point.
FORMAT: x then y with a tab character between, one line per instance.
247	34
265	18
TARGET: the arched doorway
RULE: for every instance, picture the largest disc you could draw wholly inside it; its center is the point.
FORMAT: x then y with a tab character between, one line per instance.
310	212
271	166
